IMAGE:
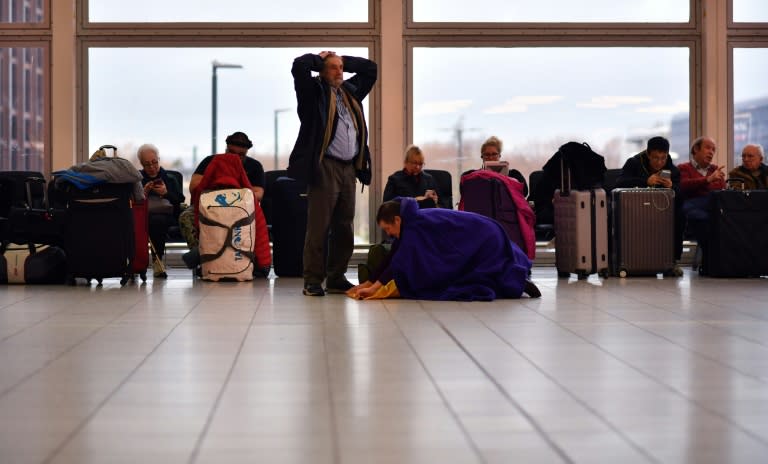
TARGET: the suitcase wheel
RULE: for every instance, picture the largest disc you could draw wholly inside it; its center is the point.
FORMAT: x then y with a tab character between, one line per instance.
603	273
622	273
563	275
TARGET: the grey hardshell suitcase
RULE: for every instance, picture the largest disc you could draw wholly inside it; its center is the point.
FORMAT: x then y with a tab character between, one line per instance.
643	231
581	233
581	229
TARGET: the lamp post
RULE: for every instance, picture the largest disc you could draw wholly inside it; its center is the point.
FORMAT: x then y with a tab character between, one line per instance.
277	112
214	96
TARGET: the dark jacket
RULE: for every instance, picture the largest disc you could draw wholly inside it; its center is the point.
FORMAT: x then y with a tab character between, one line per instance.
312	95
174	195
636	172
401	184
751	182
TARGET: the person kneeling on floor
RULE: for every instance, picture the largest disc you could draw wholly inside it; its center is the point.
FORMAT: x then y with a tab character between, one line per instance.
441	254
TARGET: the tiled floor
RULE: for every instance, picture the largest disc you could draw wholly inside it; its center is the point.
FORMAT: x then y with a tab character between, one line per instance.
181	371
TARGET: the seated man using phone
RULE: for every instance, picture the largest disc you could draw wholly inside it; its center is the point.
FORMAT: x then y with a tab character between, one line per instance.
653	168
164	195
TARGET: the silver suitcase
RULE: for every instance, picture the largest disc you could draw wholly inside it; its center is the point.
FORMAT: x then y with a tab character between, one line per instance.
581	233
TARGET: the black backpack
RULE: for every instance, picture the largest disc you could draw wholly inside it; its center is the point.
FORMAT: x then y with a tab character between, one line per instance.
587	168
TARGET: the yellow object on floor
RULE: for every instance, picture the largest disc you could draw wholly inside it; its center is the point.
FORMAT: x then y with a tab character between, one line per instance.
387	291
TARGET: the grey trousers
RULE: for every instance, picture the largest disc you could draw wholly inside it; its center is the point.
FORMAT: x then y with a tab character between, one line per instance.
330	213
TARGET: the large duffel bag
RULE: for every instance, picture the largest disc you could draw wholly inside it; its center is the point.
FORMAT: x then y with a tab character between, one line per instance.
227	234
32	264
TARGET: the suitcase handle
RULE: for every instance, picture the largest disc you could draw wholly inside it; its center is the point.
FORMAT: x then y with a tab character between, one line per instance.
36	180
565	173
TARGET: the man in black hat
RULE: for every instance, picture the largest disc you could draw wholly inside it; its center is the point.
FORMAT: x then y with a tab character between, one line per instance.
238	144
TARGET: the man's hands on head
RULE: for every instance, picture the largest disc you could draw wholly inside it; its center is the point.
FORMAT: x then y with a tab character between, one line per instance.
326	53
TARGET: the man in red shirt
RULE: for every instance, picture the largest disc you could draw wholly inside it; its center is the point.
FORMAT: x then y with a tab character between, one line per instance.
698	177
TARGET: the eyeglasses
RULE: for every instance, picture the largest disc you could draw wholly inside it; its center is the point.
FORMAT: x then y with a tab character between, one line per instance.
491	155
147	164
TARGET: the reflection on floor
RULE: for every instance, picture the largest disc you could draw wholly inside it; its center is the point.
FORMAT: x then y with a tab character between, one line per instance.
179	371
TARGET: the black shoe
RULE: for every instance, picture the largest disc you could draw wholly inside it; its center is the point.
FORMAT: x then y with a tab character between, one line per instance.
313	290
531	289
191	258
338	287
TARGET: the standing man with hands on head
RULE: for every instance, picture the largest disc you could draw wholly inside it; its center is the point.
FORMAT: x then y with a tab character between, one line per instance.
330	153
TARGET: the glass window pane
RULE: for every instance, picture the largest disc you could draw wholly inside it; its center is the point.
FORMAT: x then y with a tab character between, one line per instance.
536	99
22	147
21	11
566	11
145	11
171	106
750	97
750	11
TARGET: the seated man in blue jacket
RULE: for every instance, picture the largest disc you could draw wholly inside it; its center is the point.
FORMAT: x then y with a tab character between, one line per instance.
653	167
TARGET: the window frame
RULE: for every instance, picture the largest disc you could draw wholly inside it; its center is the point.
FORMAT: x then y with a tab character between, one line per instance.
560	35
43	42
599	28
29	28
734	43
241	35
251	28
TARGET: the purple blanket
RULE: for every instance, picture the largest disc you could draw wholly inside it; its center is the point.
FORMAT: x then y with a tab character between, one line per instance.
455	255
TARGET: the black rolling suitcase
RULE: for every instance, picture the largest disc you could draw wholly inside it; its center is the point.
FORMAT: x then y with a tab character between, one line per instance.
99	240
289	226
27	216
738	234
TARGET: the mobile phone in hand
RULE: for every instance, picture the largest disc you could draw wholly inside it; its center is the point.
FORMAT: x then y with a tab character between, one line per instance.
665	174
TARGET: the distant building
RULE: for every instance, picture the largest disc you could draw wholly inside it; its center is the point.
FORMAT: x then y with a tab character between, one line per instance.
750	125
22	94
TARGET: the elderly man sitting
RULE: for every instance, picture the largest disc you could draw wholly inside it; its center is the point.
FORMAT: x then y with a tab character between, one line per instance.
698	177
752	171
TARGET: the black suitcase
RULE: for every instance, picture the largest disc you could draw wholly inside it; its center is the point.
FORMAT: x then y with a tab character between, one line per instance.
28	218
13	190
738	234
99	241
289	226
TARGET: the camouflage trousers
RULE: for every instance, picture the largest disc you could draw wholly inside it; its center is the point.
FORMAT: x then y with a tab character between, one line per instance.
187	227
